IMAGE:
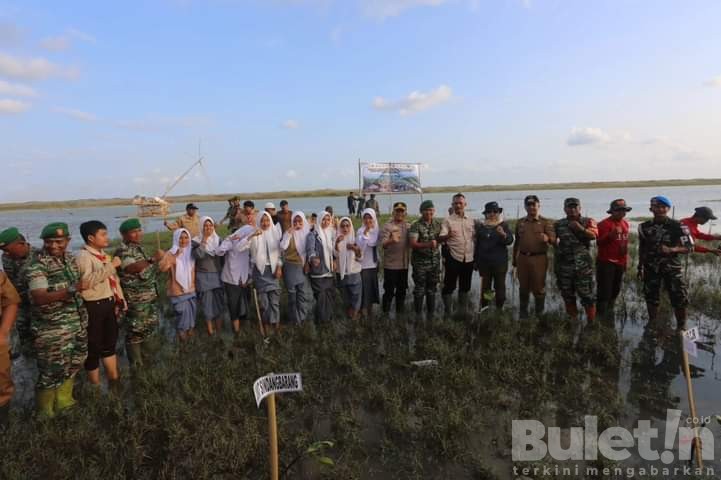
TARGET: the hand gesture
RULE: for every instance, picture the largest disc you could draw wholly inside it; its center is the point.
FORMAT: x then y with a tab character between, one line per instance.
501	232
666	249
575	226
315	262
339	238
158	255
179	252
116	262
545	237
278	272
716	252
258	232
434	244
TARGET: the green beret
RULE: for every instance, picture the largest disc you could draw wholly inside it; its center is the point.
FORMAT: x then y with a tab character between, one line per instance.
55	230
8	236
130	224
426	204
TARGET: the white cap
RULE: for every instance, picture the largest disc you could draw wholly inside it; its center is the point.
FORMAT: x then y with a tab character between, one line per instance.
269	205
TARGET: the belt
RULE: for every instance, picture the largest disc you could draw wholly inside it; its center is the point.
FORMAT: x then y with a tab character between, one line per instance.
102	300
531	254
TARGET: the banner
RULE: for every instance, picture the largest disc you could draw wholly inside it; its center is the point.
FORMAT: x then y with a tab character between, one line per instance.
276	383
391	178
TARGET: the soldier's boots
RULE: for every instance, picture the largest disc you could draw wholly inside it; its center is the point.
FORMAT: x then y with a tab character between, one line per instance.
135	354
572	310
4	416
64	398
447	304
590	312
45	399
680	314
539	303
524	298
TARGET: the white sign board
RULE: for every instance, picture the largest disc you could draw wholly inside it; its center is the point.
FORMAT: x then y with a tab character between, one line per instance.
276	383
689	341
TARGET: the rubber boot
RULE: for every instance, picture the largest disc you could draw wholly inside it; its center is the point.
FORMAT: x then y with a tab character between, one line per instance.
447	304
572	310
523	304
680	318
4	416
135	354
400	303
386	303
45	399
539	304
64	397
590	313
431	305
463	303
418	306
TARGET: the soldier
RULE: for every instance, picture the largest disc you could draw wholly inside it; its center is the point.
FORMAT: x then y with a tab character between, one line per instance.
701	216
190	221
9	302
573	261
59	320
425	258
232	214
661	241
138	274
16	253
534	234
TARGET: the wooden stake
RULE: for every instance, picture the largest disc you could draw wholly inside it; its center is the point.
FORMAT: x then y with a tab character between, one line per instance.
260	323
691	401
272	436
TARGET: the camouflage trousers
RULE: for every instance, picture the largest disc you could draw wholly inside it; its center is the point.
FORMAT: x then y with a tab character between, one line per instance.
669	278
425	280
25	333
140	321
576	278
61	350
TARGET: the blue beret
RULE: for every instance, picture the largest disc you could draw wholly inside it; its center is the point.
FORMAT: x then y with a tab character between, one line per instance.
662	200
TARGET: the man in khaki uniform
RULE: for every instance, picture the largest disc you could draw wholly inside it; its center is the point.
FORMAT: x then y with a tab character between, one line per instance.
9	304
189	221
534	234
458	233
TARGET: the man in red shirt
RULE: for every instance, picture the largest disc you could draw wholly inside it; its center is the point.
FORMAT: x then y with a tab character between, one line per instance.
612	257
701	216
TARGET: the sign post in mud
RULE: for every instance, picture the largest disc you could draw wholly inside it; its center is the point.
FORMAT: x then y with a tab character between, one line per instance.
688	343
268	386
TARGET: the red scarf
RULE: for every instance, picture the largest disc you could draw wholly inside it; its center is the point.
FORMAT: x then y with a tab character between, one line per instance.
111	279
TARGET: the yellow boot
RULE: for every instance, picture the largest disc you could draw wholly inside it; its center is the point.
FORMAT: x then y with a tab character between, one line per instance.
65	395
46	402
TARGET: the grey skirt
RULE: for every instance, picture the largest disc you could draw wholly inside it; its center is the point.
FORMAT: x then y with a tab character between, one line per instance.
184	307
212	303
265	282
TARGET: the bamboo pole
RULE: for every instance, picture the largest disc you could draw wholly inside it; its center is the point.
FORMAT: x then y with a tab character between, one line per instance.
272	436
257	311
691	401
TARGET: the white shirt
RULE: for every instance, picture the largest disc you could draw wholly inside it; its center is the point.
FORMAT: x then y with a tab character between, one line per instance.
366	244
237	260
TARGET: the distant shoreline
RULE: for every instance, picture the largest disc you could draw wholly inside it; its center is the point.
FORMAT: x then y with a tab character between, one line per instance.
530	187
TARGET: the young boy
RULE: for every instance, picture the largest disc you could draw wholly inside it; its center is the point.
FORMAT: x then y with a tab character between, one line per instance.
103	300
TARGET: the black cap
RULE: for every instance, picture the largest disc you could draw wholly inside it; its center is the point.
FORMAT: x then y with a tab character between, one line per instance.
571	202
704	212
531	199
191	206
249	203
283	203
492	207
618	205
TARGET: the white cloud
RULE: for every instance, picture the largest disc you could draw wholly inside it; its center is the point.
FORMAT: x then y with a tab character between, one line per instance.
382	9
17	89
291	174
62	42
587	136
77	114
713	82
290	124
32	68
8	105
157	124
415	101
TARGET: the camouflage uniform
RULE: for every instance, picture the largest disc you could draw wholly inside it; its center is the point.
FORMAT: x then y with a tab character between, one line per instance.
13	267
426	263
59	328
141	293
574	266
663	269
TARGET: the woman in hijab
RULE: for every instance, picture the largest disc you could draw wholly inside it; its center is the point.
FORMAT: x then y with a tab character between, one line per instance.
367	239
348	256
181	284
493	236
268	268
207	276
319	261
294	275
236	273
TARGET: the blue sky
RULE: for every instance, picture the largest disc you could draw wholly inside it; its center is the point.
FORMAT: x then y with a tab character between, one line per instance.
103	99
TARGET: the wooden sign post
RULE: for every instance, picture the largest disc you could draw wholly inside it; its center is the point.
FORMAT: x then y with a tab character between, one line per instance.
268	386
688	343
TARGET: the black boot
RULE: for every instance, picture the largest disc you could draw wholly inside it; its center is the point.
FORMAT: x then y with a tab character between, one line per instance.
447	304
4	416
386	303
418	305
431	305
539	304
524	298
680	314
400	303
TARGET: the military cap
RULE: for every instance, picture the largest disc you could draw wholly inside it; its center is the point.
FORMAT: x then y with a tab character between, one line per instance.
130	224
8	236
531	199
426	204
571	201
55	230
400	206
703	212
492	207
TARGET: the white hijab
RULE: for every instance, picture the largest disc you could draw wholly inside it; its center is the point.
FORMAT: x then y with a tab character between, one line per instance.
373	233
299	236
267	243
185	263
326	237
346	257
214	239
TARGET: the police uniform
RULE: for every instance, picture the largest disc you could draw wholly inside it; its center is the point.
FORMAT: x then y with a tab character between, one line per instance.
426	262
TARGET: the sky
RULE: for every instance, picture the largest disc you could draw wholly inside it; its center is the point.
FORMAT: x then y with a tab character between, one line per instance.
114	99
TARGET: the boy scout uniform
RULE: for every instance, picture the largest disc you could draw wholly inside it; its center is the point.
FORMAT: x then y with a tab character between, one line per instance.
529	253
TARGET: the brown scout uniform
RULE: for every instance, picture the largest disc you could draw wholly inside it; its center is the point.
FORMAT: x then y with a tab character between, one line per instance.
529	254
8	296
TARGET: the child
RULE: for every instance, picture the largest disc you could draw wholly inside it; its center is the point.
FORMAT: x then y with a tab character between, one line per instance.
181	285
265	256
294	269
236	273
319	258
349	268
367	238
207	276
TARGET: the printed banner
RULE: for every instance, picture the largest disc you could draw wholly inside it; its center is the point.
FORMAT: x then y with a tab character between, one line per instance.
391	178
276	383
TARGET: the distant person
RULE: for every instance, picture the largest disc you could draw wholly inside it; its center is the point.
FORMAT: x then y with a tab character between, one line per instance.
285	215
350	199
361	205
423	236
573	259
701	216
534	234
396	256
457	233
104	302
660	242
190	221
246	216
270	209
231	214
9	306
180	264
373	203
329	209
493	236
612	257
313	220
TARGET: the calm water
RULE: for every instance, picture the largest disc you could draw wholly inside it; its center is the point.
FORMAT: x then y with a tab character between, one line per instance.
594	203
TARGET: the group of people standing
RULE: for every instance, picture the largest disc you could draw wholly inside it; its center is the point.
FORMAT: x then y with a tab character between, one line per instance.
67	305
